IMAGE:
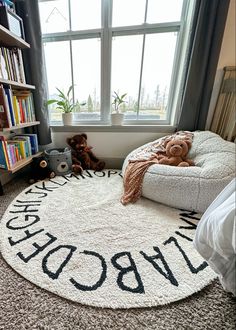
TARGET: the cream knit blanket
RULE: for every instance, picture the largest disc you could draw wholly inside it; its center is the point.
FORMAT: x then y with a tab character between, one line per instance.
140	162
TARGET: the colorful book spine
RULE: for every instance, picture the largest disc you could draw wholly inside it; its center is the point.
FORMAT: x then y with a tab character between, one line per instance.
9	99
33	142
5	118
4	157
25	105
13	64
16	110
3	162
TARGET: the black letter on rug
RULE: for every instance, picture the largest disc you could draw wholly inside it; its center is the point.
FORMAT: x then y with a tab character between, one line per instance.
46	188
189	214
101	279
58	183
190	265
25	208
111	172
27	216
168	275
28	235
97	173
30	191
89	175
183	236
38	248
54	275
125	270
191	226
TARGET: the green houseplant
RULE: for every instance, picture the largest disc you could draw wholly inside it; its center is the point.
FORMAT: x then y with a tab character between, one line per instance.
65	104
117	117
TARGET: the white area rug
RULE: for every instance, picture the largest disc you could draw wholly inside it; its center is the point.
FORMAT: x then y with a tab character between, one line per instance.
73	237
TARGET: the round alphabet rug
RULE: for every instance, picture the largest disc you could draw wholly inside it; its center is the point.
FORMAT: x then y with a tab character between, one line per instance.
72	236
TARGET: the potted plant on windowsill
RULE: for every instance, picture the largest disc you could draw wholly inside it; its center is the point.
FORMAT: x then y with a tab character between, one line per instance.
65	104
117	117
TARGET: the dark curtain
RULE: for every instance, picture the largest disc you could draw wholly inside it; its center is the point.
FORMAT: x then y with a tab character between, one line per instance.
34	65
205	44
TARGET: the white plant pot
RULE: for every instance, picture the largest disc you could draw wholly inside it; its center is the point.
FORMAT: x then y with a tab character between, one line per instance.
117	119
67	119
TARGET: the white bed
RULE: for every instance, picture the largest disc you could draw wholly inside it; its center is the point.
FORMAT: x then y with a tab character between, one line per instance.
215	237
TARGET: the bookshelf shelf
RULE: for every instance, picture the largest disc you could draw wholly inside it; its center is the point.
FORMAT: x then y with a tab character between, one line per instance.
9	39
21	163
33	123
16	84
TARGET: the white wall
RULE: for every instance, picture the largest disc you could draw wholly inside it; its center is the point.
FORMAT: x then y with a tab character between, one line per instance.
109	144
227	57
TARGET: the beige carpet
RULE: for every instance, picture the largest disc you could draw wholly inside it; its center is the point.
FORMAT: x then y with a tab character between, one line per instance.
25	306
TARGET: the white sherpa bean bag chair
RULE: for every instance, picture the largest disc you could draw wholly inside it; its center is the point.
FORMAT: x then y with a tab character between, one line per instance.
191	188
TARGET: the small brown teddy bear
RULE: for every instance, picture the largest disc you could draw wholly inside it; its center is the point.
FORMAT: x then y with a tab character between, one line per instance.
82	156
176	151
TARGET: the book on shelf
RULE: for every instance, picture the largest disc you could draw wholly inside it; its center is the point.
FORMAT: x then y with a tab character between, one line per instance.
26	146
16	148
10	105
26	104
33	142
4	159
5	118
12	64
3	68
17	107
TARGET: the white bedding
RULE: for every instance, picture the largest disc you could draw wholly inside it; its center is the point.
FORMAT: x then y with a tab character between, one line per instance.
215	237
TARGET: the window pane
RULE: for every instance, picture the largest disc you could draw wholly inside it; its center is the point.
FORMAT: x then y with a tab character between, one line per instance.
128	12
160	11
126	61
157	69
86	64
54	16
57	56
85	14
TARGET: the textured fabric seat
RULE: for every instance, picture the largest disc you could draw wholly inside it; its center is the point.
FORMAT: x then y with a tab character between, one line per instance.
192	188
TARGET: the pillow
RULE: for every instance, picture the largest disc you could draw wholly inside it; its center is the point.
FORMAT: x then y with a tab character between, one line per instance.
215	237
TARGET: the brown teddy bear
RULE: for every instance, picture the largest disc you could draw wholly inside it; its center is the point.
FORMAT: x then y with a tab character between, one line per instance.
176	151
82	156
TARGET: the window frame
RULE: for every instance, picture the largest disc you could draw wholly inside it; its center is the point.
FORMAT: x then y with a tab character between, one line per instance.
106	33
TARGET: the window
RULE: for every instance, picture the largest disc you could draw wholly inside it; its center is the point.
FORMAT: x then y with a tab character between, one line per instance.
136	47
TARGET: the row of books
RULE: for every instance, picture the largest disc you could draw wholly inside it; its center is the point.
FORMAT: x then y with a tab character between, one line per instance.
16	107
17	148
11	64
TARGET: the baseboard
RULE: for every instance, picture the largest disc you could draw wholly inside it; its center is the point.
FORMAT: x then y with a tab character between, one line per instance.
114	162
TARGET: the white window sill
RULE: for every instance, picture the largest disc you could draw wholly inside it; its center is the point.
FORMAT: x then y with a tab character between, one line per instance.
110	128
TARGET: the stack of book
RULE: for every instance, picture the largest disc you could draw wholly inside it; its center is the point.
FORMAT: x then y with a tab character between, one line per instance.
16	107
11	65
17	148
